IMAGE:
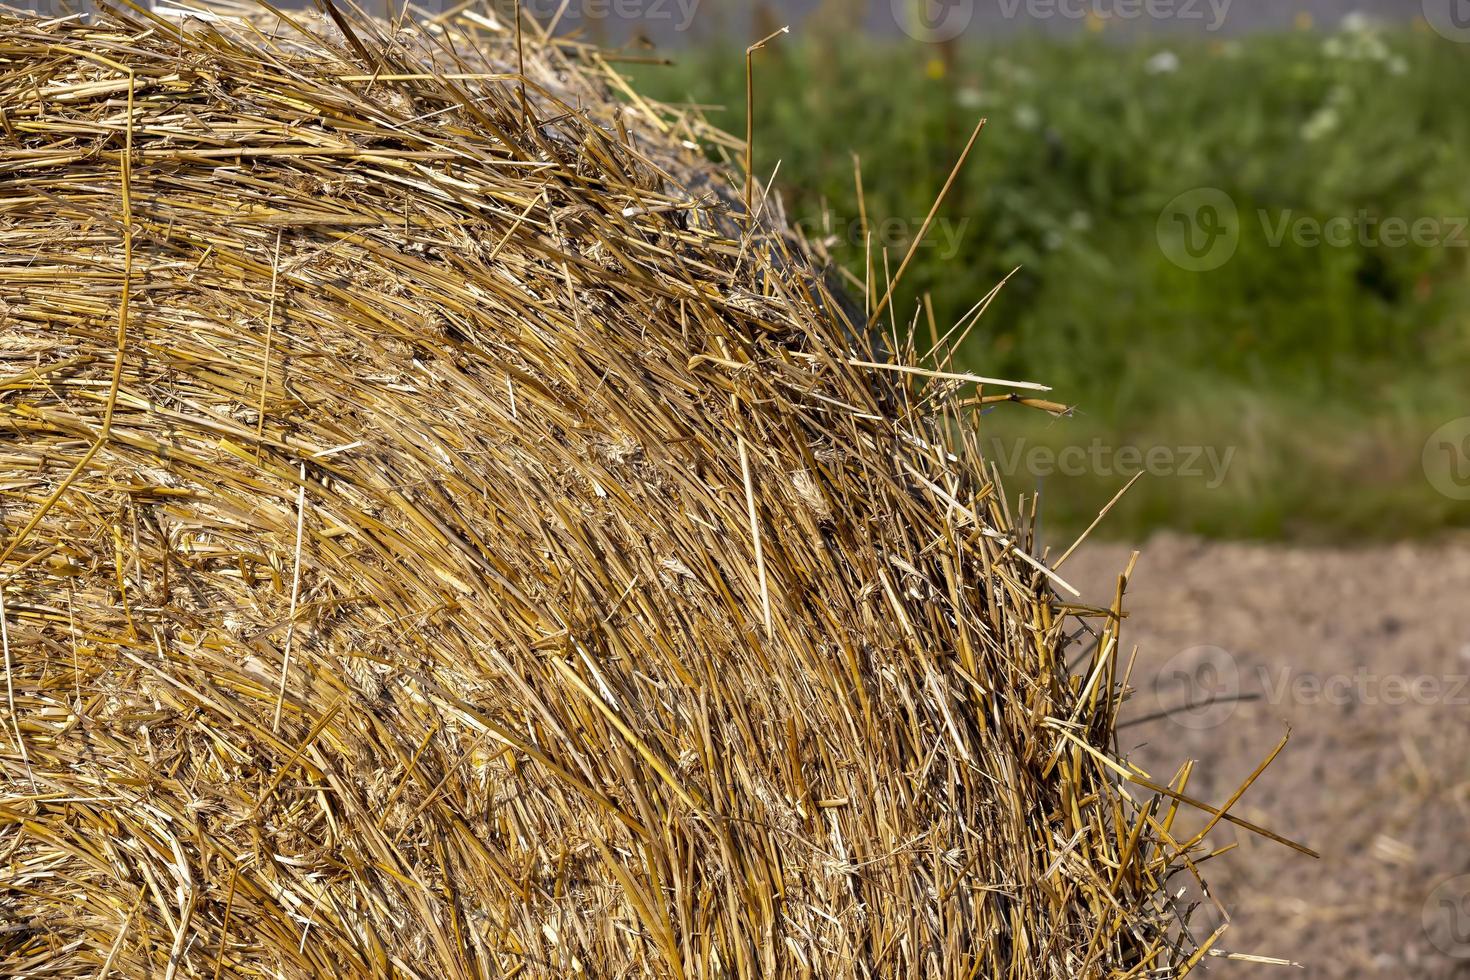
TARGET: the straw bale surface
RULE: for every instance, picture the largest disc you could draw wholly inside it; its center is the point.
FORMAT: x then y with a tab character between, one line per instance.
439	542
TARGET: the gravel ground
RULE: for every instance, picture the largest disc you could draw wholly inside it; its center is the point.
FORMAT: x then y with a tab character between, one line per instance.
1365	655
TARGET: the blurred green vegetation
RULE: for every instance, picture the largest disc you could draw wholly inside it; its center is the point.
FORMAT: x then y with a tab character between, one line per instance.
1321	368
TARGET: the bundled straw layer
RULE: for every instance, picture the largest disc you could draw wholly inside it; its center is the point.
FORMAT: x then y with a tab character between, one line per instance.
440	541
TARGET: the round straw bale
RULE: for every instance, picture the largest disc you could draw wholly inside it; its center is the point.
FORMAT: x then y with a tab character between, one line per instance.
445	537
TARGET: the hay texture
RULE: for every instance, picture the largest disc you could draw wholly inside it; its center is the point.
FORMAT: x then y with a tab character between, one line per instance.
440	541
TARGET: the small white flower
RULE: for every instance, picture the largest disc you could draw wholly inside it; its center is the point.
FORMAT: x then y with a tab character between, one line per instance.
1018	75
1027	117
1356	44
970	98
1322	123
1163	63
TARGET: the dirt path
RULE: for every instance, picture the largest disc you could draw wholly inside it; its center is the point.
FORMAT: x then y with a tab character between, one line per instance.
1366	655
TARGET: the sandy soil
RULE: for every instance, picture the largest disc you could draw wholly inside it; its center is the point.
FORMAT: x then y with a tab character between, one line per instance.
1365	654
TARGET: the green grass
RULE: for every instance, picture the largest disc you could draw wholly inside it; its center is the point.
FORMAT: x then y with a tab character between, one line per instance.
1322	369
